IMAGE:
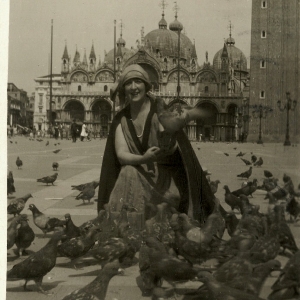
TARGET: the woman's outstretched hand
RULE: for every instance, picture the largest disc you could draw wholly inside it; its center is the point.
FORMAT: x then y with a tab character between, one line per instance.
151	154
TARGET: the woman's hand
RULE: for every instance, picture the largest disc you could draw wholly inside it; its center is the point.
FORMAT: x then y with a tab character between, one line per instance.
151	154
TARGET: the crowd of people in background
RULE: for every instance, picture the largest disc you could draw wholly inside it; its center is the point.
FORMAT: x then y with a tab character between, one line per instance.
59	131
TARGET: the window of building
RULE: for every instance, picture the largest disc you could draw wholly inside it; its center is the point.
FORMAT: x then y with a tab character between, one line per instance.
40	110
40	98
174	61
262	64
105	88
263	4
58	100
40	126
79	88
262	94
41	83
91	61
206	89
263	34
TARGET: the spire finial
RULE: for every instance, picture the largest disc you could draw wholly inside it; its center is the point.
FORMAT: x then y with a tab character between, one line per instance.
121	27
230	27
142	35
176	9
163	4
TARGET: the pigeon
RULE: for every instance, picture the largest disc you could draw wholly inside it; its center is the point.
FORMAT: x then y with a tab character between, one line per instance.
87	194
11	142
259	162
174	121
226	154
12	232
231	222
233	201
268	174
78	246
288	283
17	205
240	154
97	289
56	151
293	208
47	143
246	190
285	236
48	179
81	187
45	223
55	166
235	148
37	265
25	235
221	291
19	162
10	183
253	159
246	174
247	162
71	230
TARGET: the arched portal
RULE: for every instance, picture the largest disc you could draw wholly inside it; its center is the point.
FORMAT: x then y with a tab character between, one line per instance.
101	115
207	123
74	110
152	75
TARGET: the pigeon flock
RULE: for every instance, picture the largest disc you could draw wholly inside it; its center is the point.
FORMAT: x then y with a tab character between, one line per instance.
229	256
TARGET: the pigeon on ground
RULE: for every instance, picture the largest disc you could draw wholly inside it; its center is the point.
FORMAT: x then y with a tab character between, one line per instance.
71	229
25	235
81	187
246	174
240	154
247	162
268	174
259	162
45	223
10	183
48	179
12	232
233	201
55	165
37	265
226	154
17	205
288	283
222	291
47	143
87	194
11	142
56	151
246	190
78	246
231	222
97	289
253	159
19	162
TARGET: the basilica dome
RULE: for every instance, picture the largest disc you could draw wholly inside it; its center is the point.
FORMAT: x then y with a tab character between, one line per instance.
236	56
165	41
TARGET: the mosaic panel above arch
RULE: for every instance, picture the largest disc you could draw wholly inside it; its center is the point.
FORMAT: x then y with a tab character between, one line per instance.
183	77
104	76
79	77
206	77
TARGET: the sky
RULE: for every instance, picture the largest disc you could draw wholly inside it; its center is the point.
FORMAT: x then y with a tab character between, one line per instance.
83	22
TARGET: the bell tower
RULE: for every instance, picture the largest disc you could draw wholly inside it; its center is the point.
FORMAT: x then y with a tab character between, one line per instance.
65	65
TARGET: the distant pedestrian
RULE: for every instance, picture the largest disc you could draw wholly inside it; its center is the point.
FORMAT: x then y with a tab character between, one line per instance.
61	131
74	131
11	131
83	133
56	132
34	131
67	129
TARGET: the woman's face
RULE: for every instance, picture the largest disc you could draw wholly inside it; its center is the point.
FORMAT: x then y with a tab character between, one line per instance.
135	90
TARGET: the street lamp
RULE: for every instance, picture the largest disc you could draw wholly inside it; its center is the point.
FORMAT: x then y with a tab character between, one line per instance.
260	111
289	105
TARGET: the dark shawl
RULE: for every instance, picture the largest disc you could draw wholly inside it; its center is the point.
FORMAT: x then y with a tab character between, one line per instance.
200	192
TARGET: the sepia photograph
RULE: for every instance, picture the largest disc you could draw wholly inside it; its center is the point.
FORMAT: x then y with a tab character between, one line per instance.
150	149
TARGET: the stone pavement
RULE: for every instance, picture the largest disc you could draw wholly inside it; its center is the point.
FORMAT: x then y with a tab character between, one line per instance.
81	162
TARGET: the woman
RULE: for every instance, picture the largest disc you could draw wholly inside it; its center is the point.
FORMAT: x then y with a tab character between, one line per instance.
83	133
139	166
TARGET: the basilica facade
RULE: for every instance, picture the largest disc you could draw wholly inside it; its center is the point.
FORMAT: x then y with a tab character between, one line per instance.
81	90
